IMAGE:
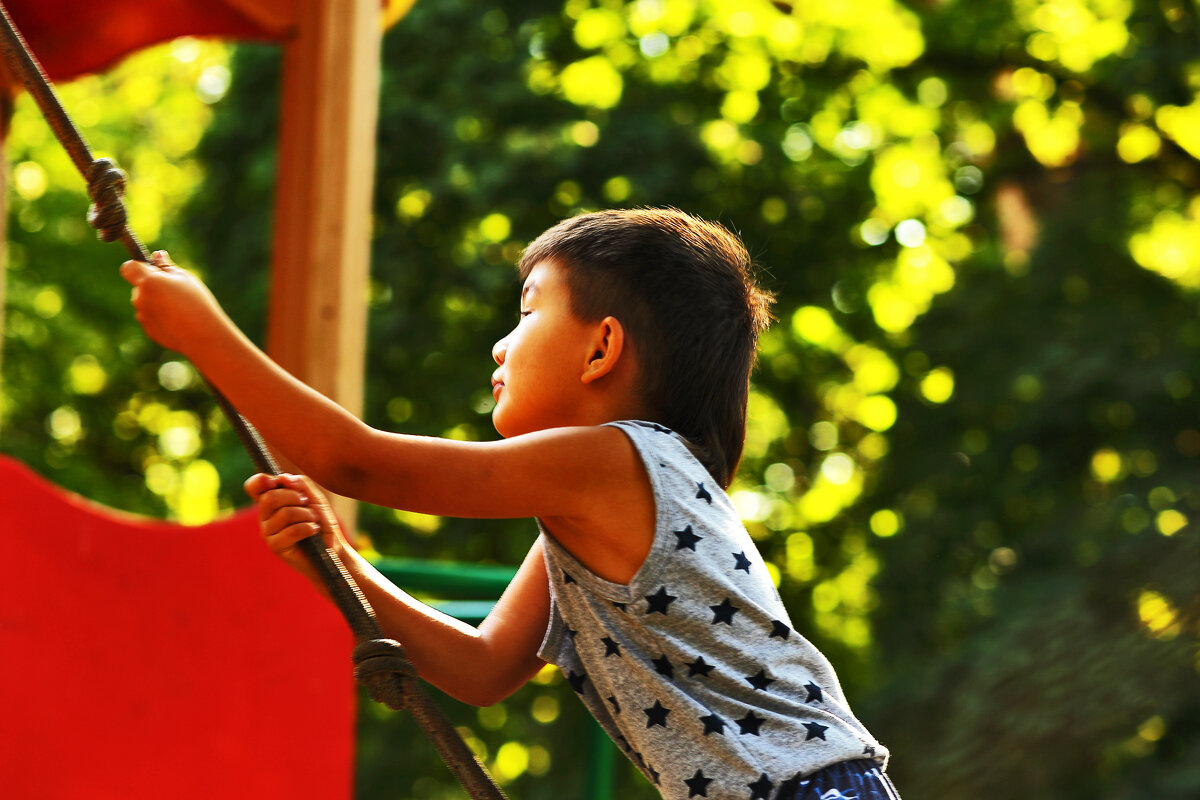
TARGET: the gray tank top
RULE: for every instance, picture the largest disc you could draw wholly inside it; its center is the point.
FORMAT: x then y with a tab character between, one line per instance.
694	668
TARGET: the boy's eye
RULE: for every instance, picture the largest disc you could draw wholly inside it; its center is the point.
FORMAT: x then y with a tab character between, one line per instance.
522	314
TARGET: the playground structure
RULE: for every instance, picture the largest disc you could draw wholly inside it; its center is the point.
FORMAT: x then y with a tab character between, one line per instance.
164	641
326	150
136	663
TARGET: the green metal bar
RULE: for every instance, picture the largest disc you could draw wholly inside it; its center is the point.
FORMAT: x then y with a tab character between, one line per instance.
454	578
450	578
480	580
465	610
601	765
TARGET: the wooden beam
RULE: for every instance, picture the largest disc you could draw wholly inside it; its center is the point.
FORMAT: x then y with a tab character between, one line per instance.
316	326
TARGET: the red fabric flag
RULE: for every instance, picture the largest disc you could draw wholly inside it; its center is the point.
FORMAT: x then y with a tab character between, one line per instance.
142	659
71	38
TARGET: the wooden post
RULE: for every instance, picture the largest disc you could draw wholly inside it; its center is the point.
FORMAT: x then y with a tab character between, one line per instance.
316	326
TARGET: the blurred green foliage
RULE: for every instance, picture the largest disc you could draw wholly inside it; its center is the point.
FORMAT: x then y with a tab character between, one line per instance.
87	400
974	440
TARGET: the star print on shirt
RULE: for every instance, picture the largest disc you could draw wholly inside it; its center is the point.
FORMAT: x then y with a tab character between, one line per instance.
659	601
618	606
702	493
612	698
869	751
653	774
741	562
815	731
567	577
761	788
687	539
662	665
779	628
814	693
713	724
723	612
698	667
656	714
750	724
698	784
760	681
611	648
576	680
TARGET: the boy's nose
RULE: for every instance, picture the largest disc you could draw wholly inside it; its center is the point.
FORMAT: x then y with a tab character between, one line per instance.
500	350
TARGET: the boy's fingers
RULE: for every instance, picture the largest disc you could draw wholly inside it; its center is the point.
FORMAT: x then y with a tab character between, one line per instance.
136	271
255	485
285	539
297	482
289	508
288	516
302	485
274	500
320	503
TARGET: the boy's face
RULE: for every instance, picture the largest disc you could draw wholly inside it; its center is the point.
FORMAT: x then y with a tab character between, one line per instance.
537	383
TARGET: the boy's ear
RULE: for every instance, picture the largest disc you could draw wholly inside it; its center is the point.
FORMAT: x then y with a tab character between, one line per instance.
607	346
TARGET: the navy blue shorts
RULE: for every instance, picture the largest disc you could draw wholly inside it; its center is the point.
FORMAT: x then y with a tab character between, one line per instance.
846	780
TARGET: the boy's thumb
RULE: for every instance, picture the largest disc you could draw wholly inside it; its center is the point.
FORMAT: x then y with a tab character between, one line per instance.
136	271
161	258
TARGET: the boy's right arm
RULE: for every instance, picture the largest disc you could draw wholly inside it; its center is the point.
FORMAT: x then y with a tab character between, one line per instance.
342	453
480	666
570	478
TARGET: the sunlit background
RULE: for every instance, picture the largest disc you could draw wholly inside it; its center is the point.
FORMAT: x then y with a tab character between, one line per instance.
973	441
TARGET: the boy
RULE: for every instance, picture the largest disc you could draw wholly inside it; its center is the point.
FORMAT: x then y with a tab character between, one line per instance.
621	396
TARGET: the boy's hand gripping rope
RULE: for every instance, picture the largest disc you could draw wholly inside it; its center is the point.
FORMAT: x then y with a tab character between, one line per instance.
379	662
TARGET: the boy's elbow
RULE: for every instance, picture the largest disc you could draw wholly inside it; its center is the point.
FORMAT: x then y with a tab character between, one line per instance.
336	466
483	694
484	685
341	476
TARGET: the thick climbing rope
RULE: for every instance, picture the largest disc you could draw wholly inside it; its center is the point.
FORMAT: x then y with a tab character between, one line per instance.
379	662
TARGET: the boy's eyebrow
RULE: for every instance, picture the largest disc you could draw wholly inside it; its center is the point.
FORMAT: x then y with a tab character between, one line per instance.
529	285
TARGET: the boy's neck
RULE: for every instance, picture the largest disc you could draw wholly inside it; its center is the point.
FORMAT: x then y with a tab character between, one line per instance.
632	411
619	396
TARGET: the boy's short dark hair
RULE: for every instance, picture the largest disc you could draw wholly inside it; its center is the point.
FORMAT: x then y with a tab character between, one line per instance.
684	289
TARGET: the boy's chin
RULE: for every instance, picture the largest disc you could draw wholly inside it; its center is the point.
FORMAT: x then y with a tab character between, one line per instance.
501	425
508	427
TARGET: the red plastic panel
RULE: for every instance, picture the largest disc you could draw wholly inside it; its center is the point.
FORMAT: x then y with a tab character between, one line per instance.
142	659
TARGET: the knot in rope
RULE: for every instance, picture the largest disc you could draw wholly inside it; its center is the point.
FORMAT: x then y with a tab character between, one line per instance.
106	185
380	665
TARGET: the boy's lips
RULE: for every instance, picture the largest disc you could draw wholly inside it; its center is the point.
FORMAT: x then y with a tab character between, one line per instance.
497	385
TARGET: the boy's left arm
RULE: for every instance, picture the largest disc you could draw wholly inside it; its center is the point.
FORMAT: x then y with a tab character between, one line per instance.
475	665
482	665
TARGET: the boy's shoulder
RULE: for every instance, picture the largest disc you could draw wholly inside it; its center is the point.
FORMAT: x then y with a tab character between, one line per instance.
654	442
599	479
656	437
671	461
